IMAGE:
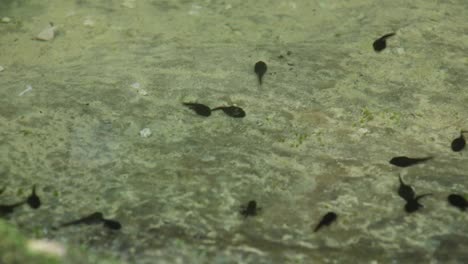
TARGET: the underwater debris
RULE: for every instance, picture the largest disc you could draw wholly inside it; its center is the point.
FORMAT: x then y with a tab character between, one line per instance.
46	247
128	3
145	132
138	88
88	22
260	69
6	20
327	219
28	88
381	43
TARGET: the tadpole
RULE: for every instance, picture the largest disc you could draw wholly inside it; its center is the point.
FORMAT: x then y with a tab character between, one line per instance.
232	111
381	43
260	69
199	109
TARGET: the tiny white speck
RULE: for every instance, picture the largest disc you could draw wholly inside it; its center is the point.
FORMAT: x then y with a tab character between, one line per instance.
142	92
145	132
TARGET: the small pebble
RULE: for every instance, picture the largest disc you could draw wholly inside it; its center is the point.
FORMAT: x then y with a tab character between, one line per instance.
6	19
140	91
195	10
88	22
1	69
46	247
128	3
145	132
47	33
136	85
400	51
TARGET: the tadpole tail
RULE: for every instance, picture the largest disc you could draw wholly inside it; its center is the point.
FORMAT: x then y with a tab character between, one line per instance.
18	204
217	108
388	35
69	223
426	159
189	105
111	224
421	196
401	180
318	227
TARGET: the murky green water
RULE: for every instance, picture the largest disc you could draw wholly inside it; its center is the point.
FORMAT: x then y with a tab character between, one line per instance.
317	137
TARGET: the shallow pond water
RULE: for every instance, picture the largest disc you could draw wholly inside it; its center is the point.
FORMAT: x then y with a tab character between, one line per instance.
317	136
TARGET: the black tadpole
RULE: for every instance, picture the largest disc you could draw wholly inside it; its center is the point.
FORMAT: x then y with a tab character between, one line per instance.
403	161
458	201
232	111
200	109
459	143
260	69
327	219
33	200
381	43
250	209
6	209
405	191
94	218
112	224
414	205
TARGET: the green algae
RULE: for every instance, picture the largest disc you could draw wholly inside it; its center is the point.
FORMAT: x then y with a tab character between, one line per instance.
13	248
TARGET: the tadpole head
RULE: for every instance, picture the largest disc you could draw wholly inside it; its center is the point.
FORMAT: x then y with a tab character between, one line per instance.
412	206
33	200
112	224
